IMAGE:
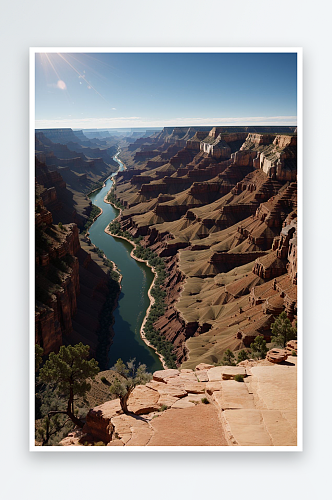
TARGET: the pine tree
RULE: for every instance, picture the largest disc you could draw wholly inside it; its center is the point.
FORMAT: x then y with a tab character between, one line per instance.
69	371
242	356
282	331
258	348
228	358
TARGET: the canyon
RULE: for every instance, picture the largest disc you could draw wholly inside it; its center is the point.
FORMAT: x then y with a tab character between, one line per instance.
218	206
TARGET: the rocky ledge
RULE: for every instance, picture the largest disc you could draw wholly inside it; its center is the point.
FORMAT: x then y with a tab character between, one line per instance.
202	407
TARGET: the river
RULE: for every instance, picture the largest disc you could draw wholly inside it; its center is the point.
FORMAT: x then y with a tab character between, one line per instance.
136	281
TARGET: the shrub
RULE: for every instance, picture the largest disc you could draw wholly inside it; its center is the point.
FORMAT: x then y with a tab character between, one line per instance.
294	353
163	408
238	377
104	380
205	401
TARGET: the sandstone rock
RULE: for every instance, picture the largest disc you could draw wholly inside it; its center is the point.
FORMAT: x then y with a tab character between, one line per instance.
202	376
211	387
245	428
277	355
182	404
215	373
203	366
161	375
98	420
122	428
196	425
117	442
143	400
229	372
195	387
175	382
141	435
186	370
188	377
291	346
166	399
172	390
193	398
234	396
156	386
73	438
248	363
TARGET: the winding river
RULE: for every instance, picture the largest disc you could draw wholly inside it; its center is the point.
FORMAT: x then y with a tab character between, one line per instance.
136	281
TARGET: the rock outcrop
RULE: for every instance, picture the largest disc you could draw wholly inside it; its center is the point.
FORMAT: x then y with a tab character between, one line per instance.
260	411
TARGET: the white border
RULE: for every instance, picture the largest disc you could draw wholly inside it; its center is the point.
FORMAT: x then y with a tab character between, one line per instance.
35	50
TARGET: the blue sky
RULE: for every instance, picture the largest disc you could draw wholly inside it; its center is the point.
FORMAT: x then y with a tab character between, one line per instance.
92	90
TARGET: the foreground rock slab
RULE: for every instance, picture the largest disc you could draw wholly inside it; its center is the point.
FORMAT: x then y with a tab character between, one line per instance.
143	400
206	407
271	421
161	375
99	420
198	425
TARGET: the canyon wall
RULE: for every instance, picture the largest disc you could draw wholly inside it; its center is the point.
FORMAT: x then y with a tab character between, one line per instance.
225	225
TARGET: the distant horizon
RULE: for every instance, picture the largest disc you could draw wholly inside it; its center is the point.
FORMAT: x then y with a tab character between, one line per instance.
284	121
86	90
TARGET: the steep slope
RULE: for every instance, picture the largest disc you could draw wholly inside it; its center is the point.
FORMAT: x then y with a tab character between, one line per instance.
75	289
224	220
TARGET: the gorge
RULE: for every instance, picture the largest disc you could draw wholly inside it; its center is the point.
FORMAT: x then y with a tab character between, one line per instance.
214	207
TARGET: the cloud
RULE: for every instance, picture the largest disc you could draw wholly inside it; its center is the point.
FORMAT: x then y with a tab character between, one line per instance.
137	121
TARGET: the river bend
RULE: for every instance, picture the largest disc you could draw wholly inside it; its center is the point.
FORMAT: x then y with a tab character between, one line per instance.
136	281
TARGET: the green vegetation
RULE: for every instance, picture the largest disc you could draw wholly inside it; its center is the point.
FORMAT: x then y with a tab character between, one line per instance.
112	199
130	375
61	380
205	401
115	228
69	371
104	380
163	408
39	351
163	346
242	356
62	227
96	185
282	331
238	377
93	214
228	358
258	348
